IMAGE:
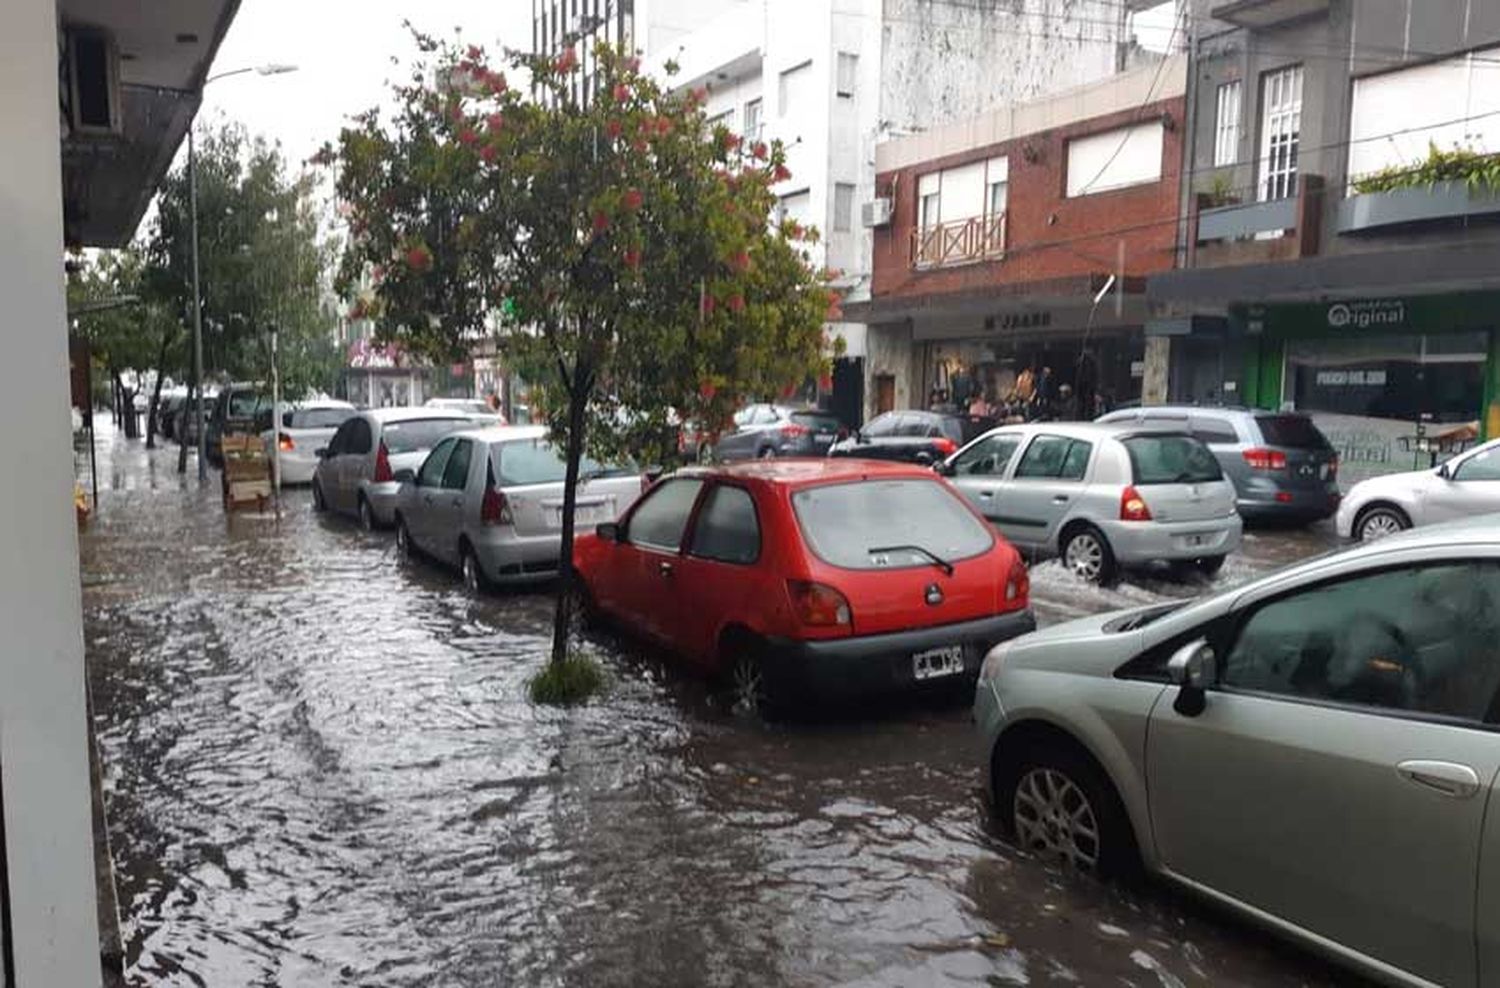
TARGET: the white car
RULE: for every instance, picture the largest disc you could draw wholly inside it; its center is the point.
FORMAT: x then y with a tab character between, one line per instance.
306	427
477	409
1467	485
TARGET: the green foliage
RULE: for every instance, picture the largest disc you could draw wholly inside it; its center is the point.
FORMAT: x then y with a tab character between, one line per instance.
1477	171
618	250
1221	190
261	261
567	683
124	336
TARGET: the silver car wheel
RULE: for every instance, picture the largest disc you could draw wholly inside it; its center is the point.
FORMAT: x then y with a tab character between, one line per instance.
1084	555
471	572
403	542
1055	819
366	516
1378	524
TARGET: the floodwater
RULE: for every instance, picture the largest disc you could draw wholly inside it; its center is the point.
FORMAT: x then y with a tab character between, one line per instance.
321	769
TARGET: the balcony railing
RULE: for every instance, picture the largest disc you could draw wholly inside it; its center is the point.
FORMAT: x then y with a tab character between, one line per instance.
979	238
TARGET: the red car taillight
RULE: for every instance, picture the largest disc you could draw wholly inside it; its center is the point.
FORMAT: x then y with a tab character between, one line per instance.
1133	506
818	605
286	444
1265	459
1017	582
945	446
792	430
383	474
494	509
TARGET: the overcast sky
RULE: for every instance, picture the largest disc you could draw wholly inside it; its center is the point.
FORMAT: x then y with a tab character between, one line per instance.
343	53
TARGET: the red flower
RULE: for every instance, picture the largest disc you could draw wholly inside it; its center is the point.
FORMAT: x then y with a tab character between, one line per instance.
632	199
487	153
377	273
835	308
825	382
781	173
788	391
663	126
632	64
736	302
495	82
473	53
707	305
707	390
612	129
566	62
731	140
641	144
740	262
632	258
758	150
697	96
466	135
622	93
494	122
418	258
601	221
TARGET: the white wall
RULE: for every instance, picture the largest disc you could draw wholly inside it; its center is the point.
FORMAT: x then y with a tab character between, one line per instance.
49	851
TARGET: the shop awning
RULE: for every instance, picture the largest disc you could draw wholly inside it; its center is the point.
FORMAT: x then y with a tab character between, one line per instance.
1428	270
1006	305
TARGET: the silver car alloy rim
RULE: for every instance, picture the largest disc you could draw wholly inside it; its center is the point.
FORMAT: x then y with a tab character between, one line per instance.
1085	556
403	543
1379	525
749	686
366	516
1055	819
471	572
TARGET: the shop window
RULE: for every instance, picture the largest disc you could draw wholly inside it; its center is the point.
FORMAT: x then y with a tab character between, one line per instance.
1402	378
1281	132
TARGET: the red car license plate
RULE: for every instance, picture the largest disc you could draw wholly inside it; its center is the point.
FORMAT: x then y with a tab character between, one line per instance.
935	662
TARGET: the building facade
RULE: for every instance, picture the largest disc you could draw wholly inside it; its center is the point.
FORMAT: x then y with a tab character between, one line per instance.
1323	268
832	79
1015	245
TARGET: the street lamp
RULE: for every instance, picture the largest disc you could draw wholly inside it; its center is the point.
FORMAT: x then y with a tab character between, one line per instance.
270	68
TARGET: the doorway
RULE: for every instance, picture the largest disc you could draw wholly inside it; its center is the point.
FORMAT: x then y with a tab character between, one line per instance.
885	393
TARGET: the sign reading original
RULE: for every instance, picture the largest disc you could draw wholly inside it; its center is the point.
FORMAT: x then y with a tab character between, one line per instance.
1363	315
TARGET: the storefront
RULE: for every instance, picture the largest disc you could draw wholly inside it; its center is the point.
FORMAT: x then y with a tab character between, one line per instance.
1103	371
1395	383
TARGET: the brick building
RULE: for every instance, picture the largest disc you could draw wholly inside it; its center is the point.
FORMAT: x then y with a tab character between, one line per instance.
996	239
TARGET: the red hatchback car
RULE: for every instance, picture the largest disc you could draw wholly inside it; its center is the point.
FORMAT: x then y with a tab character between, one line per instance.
793	578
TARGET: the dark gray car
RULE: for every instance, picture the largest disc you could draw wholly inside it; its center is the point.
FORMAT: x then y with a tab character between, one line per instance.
1281	466
763	431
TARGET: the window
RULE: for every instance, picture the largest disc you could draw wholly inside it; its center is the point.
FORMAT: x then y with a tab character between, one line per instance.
727	529
763	415
997	186
1424	639
882	425
843	207
456	474
1281	129
1483	465
431	473
724	119
340	441
414	434
752	120
791	86
821	423
536	461
1115	159
1171	460
796	207
845	524
1227	125
929	200
662	516
848	72
1055	457
319	418
914	425
986	458
360	439
1291	431
1207	430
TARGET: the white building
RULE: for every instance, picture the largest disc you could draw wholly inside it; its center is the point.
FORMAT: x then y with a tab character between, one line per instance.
831	78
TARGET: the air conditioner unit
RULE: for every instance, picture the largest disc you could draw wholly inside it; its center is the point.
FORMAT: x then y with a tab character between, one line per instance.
93	81
876	212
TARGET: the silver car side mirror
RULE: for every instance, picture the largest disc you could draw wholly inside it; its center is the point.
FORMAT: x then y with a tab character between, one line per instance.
1193	668
1444	472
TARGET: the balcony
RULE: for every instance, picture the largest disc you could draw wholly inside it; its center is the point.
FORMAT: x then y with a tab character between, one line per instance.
978	238
1242	221
1443	201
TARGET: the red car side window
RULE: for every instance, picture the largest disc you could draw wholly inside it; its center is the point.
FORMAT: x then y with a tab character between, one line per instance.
662	517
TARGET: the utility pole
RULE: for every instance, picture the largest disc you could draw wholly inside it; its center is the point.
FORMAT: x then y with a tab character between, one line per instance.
197	309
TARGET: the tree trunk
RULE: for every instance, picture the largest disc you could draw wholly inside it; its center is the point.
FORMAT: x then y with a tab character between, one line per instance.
154	408
566	578
127	407
182	442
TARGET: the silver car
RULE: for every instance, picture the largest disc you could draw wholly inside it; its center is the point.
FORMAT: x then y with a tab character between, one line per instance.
1467	485
490	501
356	473
1317	750
1101	496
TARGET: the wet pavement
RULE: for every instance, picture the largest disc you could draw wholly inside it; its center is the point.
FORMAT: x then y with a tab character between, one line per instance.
322	769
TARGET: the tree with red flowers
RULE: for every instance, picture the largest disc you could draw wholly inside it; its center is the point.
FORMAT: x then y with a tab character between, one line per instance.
642	280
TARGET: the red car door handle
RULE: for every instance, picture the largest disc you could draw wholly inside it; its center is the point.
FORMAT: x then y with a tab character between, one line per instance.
665	569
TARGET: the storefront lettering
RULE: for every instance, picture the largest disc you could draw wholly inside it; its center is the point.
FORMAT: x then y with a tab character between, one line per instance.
1354	378
1363	315
1023	320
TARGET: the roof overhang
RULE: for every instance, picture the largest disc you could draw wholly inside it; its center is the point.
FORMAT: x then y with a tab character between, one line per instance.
165	50
1032	308
1268	13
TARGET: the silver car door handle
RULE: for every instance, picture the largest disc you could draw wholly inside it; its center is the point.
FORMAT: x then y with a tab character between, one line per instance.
986	493
458	502
1448	778
1060	499
426	498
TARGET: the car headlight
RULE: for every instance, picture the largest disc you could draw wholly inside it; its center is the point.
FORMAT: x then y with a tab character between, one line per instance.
994	660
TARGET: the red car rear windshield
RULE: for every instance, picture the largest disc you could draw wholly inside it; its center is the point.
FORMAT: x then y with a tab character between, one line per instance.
888	524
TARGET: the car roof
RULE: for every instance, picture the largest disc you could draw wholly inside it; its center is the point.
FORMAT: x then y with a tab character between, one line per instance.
504	433
807	471
298	406
406	414
1090	430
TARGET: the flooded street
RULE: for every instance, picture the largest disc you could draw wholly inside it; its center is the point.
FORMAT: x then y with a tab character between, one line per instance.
322	769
